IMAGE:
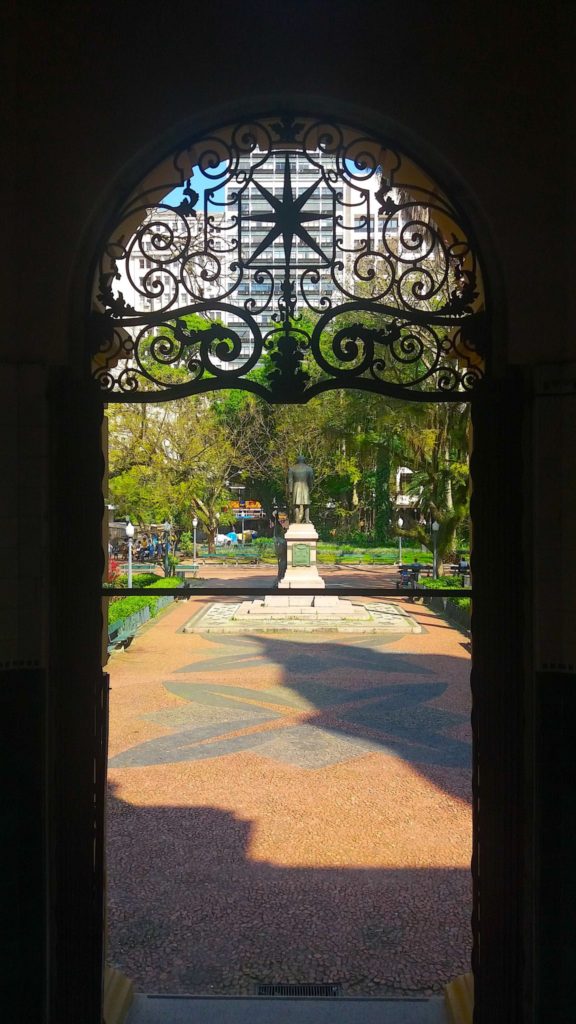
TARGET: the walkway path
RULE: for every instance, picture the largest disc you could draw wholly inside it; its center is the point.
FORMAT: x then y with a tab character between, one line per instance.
285	810
219	574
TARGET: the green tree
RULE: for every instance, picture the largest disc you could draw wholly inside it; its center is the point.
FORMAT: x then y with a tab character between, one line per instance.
438	441
175	460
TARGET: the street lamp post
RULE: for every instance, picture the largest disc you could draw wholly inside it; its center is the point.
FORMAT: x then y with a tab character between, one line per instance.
400	525
194	524
239	487
167	527
435	528
129	538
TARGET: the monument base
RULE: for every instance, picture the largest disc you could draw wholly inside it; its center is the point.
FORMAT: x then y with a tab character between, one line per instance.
299	614
301	540
291	608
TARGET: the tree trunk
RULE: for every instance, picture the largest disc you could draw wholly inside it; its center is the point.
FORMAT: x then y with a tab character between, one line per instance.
382	503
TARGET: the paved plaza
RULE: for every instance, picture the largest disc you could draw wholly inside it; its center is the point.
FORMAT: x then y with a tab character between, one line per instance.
288	808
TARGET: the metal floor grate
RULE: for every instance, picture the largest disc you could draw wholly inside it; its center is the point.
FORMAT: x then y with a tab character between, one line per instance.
300	991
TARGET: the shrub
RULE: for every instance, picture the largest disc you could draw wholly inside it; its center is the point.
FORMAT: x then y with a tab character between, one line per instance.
122	607
126	606
139	579
265	548
264	544
324	557
186	543
443	583
163	583
449	583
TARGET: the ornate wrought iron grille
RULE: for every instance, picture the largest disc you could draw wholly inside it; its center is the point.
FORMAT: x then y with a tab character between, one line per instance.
287	256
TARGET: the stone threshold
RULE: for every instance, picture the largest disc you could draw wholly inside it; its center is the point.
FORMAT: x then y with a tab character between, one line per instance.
276	1010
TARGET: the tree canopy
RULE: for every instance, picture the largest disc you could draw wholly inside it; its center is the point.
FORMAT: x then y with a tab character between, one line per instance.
183	459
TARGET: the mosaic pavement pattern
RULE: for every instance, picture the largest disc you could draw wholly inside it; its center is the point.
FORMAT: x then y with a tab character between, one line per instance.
408	727
337	722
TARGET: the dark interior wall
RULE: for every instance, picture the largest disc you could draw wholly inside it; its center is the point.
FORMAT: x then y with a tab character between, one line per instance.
92	87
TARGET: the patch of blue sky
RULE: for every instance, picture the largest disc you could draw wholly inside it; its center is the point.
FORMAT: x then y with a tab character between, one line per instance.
202	184
360	172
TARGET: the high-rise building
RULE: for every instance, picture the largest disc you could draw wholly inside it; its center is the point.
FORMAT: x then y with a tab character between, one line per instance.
281	235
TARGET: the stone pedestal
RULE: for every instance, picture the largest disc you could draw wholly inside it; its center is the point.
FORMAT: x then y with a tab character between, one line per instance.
301	540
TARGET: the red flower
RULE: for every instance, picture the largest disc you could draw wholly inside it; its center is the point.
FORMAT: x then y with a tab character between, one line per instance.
113	571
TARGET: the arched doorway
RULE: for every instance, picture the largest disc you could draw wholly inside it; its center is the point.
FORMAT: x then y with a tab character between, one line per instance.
407	319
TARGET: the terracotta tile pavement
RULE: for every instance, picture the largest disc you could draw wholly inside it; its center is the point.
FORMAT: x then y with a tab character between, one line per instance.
286	809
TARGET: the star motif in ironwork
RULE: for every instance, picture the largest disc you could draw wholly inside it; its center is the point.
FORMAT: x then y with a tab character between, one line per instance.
287	217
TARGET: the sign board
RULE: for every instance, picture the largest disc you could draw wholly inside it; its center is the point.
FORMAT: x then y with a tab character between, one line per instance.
301	554
254	506
247	509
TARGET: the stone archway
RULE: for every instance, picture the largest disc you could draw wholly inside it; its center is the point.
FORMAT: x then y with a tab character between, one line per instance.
497	659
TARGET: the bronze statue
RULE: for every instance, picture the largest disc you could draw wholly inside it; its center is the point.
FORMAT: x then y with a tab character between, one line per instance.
300	480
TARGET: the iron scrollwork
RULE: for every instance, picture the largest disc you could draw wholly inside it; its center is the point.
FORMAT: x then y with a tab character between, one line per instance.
287	256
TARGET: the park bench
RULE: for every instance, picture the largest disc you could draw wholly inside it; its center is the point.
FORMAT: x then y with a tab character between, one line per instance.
117	635
347	556
236	557
138	567
184	569
456	570
122	631
246	556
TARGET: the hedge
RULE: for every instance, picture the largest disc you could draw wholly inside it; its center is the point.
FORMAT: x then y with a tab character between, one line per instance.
122	607
443	583
330	553
139	579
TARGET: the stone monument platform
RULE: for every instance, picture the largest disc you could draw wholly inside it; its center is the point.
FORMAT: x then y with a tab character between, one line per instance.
288	613
276	606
